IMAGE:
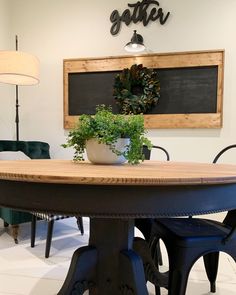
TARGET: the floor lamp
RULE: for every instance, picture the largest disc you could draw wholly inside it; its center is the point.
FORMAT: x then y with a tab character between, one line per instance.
18	68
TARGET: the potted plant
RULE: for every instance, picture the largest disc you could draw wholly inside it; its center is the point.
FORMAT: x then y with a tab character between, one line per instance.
109	131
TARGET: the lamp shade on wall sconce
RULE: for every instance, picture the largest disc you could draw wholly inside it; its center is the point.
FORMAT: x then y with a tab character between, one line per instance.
18	68
136	43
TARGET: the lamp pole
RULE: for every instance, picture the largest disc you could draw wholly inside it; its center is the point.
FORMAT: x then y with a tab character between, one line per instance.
17	103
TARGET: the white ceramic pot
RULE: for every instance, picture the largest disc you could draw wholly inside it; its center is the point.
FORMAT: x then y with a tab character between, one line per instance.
99	153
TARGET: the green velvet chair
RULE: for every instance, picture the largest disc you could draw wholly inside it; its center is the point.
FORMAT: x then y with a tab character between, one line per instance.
34	150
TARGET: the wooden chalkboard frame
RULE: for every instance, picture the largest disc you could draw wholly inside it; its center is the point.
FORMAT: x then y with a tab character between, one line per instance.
163	60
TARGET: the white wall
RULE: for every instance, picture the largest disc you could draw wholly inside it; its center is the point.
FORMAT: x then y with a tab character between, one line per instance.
58	29
6	91
4	22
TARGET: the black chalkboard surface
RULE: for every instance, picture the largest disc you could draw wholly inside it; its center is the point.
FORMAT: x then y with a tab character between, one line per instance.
187	90
183	91
86	90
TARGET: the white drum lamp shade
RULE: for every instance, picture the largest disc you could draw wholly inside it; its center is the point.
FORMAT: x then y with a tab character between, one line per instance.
18	68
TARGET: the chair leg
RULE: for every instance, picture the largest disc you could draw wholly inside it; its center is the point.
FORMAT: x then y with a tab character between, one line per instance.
15	231
5	224
157	259
159	255
181	261
211	261
49	238
33	230
155	249
178	282
157	290
80	224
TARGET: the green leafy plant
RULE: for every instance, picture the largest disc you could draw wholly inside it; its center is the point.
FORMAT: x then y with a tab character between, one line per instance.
107	128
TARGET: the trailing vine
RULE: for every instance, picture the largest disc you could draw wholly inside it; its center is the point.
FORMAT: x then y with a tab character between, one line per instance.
136	90
107	128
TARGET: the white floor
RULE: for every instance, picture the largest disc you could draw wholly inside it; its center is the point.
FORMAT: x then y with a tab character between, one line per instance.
25	271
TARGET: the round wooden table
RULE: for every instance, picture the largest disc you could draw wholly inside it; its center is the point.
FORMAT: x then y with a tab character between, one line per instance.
113	196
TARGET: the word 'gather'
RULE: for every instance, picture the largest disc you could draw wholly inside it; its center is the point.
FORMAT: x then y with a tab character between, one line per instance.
142	12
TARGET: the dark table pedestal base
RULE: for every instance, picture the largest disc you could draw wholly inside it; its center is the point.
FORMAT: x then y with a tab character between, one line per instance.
108	265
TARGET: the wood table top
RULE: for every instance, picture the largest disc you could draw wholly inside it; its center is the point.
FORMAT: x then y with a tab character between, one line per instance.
146	173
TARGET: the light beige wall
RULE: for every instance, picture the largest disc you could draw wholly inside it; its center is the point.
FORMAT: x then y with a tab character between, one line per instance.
58	29
4	23
6	91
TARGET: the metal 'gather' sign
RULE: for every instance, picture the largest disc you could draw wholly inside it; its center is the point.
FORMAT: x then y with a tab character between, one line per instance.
141	11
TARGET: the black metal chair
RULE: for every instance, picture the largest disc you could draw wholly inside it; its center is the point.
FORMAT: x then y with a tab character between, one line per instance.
145	225
187	239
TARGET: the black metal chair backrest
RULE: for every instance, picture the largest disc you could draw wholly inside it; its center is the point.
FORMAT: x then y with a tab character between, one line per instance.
223	151
145	224
147	152
230	218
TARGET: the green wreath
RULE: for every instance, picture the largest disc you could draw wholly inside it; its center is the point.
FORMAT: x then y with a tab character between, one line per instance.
136	90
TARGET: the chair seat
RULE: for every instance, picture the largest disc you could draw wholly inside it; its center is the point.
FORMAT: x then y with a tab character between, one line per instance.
50	217
190	232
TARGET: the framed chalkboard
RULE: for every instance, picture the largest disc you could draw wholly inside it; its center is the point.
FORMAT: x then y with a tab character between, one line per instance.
191	87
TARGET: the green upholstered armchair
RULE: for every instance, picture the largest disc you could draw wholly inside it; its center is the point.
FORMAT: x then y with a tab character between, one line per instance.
34	150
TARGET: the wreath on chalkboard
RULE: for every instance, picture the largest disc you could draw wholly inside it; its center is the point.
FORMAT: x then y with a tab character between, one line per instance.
136	90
